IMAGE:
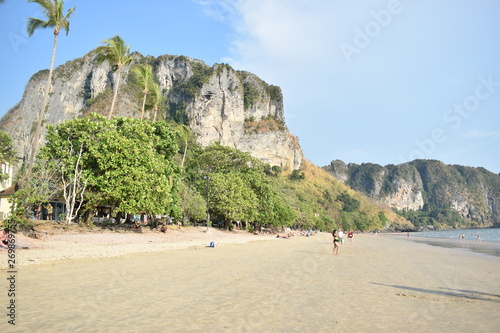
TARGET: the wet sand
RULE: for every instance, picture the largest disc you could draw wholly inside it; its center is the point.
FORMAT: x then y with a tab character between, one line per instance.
377	284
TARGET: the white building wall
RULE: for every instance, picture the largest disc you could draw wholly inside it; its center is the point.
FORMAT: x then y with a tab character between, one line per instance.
4	202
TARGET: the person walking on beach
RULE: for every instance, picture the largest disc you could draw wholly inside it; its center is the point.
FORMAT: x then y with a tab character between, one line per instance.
336	241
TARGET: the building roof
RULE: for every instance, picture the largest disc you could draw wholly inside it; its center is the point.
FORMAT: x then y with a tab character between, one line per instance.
9	191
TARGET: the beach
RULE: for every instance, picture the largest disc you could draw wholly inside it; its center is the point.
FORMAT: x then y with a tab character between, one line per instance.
250	283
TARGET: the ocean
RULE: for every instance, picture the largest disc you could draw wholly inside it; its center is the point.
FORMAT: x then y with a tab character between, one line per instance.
489	243
487	235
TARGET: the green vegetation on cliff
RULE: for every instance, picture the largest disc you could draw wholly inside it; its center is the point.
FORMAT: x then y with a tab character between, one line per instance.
453	196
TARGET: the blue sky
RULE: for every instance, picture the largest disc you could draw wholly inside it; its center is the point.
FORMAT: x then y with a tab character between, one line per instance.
363	81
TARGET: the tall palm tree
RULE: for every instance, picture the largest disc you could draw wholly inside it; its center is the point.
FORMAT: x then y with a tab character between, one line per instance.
53	12
143	75
185	135
117	53
155	98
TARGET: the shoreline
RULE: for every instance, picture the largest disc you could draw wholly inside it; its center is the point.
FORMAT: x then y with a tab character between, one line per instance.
478	247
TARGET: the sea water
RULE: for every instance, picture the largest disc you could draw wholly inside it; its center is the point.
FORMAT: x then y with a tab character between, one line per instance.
488	243
487	235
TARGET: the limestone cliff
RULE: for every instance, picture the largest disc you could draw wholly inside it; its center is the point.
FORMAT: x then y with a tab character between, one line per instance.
218	103
472	195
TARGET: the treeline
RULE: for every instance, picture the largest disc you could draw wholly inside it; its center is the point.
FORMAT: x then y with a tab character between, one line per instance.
131	165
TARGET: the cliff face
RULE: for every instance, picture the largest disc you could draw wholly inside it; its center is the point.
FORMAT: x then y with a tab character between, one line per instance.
429	186
218	103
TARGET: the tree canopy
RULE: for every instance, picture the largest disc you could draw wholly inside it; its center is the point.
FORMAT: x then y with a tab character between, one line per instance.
127	163
239	189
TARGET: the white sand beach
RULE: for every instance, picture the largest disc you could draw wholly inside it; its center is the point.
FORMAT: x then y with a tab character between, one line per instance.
250	283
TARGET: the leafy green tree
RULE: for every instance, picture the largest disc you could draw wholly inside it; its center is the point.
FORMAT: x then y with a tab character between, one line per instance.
297	175
7	153
40	189
127	163
117	53
351	204
273	209
69	178
239	189
232	198
143	75
55	18
192	203
221	159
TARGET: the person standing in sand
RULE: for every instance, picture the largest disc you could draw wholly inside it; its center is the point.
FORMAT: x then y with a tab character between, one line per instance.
336	241
350	235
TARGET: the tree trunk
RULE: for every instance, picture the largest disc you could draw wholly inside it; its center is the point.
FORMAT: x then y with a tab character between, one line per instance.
117	84
38	130
143	105
184	155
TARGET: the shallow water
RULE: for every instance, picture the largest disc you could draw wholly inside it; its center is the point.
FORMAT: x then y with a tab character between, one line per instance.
488	235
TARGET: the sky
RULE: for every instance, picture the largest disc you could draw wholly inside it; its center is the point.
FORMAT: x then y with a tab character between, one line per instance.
374	81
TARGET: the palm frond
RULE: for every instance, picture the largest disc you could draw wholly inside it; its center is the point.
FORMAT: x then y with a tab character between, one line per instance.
115	51
47	5
34	24
53	13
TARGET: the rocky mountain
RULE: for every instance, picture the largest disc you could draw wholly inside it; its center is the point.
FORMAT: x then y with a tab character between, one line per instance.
218	103
428	191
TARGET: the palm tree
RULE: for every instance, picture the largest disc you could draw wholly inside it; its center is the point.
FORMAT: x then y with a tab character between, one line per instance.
155	98
143	75
117	53
185	135
53	12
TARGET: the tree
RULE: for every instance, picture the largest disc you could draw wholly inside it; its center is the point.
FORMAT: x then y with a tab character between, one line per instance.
128	163
53	12
232	198
117	53
143	75
185	135
7	153
155	98
221	159
192	203
239	189
351	204
272	207
297	175
69	177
